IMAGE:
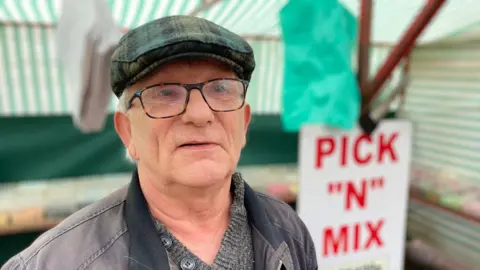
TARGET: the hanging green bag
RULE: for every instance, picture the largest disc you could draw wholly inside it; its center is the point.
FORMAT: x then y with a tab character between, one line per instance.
319	84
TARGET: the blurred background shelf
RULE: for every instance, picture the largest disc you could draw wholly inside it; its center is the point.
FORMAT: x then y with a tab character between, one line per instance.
37	205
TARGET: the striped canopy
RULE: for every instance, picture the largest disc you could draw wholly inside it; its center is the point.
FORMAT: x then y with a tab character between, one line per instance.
32	81
245	17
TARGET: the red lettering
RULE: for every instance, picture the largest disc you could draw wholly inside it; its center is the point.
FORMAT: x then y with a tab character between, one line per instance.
374	230
357	194
356	240
380	149
356	154
325	147
387	147
348	237
344	153
330	240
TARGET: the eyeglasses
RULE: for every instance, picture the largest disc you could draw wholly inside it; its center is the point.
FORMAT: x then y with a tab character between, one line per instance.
170	99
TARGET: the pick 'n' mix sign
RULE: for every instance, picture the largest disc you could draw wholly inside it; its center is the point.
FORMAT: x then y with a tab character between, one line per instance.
353	194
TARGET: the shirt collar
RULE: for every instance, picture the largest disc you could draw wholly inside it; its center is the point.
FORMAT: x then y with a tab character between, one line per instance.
145	248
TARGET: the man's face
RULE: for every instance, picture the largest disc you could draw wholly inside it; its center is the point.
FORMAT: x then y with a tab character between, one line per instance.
162	146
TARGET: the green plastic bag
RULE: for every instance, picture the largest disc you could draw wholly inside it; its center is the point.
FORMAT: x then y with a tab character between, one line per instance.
319	84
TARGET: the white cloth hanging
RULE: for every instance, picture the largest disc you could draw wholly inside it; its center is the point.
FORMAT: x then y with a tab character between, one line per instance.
86	38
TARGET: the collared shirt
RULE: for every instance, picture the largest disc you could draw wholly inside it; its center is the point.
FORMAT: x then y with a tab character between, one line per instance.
236	251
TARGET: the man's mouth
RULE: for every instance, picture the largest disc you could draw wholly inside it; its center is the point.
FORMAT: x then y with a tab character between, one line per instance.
198	145
194	144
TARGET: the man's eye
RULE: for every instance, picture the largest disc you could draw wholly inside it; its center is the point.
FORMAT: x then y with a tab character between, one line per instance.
165	93
220	88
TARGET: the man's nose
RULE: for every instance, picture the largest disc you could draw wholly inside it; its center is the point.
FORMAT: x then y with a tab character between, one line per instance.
197	112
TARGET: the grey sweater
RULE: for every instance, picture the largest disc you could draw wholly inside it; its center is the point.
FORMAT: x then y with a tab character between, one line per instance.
236	251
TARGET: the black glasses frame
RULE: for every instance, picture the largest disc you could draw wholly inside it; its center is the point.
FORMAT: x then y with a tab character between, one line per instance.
189	88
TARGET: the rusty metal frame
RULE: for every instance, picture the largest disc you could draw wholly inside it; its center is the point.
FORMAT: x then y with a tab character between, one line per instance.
380	110
399	51
365	26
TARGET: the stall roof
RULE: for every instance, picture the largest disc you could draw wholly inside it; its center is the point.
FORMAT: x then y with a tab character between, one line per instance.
246	17
42	89
29	61
260	17
392	17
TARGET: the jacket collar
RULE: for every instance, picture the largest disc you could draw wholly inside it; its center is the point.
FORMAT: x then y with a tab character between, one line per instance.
146	249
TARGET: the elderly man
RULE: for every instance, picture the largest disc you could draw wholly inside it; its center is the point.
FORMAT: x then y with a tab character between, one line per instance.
183	118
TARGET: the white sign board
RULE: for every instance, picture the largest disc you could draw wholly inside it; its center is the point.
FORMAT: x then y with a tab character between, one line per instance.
353	194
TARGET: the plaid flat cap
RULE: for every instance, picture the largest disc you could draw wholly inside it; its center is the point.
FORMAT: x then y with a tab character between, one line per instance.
169	38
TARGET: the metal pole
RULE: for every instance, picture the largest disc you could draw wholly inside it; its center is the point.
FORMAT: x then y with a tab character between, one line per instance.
404	46
364	44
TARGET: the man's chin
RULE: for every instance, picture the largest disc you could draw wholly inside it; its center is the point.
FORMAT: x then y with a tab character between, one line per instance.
203	174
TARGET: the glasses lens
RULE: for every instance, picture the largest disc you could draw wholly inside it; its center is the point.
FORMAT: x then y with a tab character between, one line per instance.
164	100
224	95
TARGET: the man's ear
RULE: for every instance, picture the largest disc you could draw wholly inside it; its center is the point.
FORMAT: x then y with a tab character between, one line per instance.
122	126
247	117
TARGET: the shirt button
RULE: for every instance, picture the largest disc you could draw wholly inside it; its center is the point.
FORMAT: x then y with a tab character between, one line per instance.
187	264
166	241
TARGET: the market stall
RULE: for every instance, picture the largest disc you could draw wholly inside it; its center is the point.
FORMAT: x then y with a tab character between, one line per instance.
49	167
53	164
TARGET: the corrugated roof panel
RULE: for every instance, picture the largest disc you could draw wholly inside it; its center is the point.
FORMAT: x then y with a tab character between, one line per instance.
244	13
447	232
251	17
443	101
214	12
151	9
184	6
263	18
35	85
240	9
471	33
3	15
265	90
131	14
275	104
6	82
11	11
11	67
221	12
245	17
32	81
126	13
267	19
252	98
121	11
30	11
267	81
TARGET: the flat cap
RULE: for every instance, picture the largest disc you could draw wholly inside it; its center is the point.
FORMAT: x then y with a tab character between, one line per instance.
169	38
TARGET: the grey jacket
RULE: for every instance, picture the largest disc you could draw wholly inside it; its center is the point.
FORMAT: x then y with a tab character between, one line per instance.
117	232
